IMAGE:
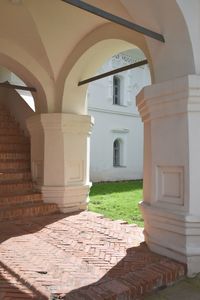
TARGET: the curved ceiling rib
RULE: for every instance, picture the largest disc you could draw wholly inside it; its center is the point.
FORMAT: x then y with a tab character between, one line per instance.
115	19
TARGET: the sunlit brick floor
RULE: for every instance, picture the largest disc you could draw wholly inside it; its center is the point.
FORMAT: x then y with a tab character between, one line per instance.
83	256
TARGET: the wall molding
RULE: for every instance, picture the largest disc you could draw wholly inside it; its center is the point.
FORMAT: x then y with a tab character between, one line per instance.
114	112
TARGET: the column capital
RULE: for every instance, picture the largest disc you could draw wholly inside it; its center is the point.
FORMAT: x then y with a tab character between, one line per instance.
170	98
65	157
67	123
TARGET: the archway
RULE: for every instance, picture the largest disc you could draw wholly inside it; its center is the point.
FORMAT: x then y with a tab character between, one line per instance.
28	78
73	125
116	147
96	48
117	119
18	101
164	67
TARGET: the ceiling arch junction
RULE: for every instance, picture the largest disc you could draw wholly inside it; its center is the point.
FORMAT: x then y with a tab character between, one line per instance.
53	51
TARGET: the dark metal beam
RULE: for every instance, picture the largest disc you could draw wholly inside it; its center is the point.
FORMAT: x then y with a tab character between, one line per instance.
113	72
115	19
17	87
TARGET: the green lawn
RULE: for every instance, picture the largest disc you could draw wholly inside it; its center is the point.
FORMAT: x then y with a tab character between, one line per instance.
117	200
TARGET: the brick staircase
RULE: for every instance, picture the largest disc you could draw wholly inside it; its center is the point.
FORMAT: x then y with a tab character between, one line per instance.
18	198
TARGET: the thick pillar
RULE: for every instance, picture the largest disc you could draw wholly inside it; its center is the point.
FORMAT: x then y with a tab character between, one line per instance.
66	159
37	149
171	205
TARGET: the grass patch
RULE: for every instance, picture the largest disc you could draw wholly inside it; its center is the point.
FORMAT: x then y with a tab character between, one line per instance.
117	200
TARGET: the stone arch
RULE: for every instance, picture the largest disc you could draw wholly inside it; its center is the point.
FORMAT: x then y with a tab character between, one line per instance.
165	60
28	70
88	56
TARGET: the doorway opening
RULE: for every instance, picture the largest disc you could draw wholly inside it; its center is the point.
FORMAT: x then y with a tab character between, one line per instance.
116	151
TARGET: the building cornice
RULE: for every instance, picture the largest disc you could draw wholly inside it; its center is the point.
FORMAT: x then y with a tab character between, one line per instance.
114	112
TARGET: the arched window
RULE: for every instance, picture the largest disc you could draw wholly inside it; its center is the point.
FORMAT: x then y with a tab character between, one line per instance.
116	153
116	90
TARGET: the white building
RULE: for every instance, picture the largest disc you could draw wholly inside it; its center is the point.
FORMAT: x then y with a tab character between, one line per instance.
117	136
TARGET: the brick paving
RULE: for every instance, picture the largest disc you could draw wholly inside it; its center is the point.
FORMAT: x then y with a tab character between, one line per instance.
83	256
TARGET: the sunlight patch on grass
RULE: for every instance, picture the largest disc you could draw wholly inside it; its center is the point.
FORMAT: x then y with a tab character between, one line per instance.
117	200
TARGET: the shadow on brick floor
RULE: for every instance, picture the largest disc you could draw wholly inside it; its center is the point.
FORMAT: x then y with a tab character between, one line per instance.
12	287
64	245
138	273
10	229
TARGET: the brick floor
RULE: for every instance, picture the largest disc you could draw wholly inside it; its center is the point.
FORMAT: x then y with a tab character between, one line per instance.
83	256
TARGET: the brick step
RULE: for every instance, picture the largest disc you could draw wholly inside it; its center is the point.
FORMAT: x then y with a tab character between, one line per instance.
6	165
2	106
17	195
14	155
15	187
7	177
4	112
15	147
9	124
28	210
31	197
11	131
14	139
5	118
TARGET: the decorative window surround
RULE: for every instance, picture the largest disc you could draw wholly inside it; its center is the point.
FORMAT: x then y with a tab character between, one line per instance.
125	130
117	152
117	90
121	136
124	59
110	89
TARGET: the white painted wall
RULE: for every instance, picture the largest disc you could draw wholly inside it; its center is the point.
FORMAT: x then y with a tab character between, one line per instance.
19	103
117	121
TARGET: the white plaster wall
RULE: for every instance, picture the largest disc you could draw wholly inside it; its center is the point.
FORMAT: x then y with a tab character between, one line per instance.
117	121
18	108
102	147
25	95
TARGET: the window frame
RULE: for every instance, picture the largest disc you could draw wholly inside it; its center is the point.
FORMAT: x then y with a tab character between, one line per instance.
117	90
117	149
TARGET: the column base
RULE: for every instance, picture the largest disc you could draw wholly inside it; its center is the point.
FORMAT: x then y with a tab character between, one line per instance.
173	234
69	199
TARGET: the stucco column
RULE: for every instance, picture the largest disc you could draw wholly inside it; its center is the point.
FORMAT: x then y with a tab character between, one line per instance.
66	160
61	157
37	149
171	205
